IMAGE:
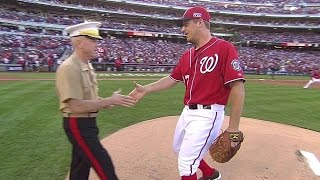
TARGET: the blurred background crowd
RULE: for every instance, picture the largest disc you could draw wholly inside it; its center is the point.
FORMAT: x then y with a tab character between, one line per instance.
27	40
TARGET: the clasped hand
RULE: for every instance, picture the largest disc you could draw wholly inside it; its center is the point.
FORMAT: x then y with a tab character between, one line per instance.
118	99
138	92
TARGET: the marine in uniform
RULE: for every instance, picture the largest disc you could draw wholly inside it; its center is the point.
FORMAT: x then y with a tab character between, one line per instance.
77	89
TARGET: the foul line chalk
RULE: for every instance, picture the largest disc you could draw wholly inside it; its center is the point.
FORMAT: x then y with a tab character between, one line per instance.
313	162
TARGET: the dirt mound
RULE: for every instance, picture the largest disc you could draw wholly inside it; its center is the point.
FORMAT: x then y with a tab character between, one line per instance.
143	152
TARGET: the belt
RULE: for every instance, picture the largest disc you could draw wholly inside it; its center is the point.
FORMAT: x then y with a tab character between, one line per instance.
216	107
92	114
199	106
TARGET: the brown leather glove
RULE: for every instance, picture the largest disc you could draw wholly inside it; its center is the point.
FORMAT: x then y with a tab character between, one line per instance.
226	146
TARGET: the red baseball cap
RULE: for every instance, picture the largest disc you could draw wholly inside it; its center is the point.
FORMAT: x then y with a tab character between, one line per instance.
195	13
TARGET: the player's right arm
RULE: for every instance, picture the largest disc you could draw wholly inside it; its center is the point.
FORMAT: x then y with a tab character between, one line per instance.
140	91
160	85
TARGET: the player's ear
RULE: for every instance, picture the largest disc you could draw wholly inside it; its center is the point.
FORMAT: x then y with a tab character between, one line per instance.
201	22
204	24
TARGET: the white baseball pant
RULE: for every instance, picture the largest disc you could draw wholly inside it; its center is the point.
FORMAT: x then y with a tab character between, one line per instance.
313	80
195	131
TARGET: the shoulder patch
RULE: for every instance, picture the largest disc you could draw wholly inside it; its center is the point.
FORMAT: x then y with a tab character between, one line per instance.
236	65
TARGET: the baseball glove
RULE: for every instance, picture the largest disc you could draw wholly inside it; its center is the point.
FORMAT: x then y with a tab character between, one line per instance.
226	146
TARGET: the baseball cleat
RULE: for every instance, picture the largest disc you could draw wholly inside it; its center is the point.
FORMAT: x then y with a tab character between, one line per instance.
216	176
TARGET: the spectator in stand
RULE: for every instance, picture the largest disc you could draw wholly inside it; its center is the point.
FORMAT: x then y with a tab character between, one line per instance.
274	67
118	63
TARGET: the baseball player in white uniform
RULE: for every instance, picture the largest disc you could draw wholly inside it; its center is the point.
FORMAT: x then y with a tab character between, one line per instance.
315	78
212	75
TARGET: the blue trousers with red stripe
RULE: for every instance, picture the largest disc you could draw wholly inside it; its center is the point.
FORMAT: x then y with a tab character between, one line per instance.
87	150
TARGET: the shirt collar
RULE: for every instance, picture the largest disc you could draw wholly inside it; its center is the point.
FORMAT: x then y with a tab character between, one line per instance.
85	66
207	44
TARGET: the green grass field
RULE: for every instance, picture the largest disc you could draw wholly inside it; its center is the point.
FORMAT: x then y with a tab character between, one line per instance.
44	75
34	146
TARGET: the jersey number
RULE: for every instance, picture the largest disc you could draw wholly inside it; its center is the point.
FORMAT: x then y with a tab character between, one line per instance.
186	80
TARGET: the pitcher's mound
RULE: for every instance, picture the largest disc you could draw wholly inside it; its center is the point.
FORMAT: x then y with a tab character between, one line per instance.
269	152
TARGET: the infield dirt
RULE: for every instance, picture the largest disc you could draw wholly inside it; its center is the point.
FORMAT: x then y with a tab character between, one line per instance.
143	152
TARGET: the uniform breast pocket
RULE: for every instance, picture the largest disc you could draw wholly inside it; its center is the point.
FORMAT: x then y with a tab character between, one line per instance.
87	86
94	78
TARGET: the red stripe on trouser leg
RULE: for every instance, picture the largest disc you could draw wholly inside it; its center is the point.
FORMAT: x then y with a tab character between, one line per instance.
76	132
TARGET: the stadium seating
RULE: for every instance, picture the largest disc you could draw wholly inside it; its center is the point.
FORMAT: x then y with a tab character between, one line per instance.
31	36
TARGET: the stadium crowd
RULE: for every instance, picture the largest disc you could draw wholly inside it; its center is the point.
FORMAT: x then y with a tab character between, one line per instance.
61	19
273	7
278	1
44	46
35	51
28	50
31	51
15	15
265	21
135	25
291	61
51	18
279	37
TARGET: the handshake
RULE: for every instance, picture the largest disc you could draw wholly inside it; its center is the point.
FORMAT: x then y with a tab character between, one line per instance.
118	99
